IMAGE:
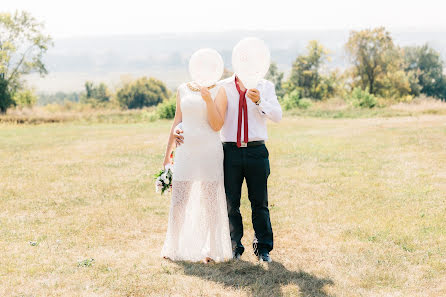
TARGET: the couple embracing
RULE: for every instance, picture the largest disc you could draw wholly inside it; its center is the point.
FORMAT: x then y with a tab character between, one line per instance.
220	133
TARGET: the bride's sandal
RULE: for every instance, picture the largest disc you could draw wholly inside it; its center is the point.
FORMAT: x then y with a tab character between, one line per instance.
208	260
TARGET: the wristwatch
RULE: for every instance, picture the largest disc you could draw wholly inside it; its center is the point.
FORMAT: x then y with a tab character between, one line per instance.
258	102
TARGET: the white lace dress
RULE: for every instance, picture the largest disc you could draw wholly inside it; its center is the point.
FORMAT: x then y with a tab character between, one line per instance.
198	220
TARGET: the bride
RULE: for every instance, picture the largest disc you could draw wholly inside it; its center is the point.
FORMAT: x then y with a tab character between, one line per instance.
198	228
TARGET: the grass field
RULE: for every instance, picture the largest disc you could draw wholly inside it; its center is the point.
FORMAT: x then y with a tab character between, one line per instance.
358	208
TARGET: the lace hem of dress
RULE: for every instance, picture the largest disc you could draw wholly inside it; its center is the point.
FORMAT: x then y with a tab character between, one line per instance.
198	222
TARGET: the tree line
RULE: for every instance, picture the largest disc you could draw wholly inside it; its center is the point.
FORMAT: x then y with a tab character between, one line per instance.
139	93
379	70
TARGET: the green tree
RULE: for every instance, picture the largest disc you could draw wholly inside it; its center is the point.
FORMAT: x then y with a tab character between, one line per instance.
142	92
377	63
426	65
369	52
396	84
25	98
306	74
22	46
276	76
99	93
5	97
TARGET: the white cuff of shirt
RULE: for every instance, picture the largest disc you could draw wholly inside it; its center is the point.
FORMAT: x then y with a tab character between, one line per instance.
261	106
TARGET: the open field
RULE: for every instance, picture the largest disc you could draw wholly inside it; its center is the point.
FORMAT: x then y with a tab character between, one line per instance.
358	208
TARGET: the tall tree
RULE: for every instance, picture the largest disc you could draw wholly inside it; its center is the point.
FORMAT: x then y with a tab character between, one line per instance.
5	97
22	46
377	63
306	74
427	65
99	92
369	53
276	76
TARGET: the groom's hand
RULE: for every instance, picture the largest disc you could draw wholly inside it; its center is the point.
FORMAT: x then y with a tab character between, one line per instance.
254	95
179	139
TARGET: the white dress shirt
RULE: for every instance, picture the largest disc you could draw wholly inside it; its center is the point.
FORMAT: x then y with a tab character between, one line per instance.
268	108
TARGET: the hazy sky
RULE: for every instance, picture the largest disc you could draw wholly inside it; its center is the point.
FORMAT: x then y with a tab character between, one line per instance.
100	17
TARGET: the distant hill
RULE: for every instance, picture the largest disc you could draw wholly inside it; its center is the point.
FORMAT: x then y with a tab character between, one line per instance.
105	58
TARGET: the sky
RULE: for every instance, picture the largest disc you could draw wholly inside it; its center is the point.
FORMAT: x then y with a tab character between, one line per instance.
99	17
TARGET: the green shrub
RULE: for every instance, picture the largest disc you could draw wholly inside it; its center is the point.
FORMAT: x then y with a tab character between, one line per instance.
291	100
304	103
294	100
25	98
166	110
142	93
362	98
150	115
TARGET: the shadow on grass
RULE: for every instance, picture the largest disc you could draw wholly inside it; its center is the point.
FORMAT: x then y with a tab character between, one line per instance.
259	279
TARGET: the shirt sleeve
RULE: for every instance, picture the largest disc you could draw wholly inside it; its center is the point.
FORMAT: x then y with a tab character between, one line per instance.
269	106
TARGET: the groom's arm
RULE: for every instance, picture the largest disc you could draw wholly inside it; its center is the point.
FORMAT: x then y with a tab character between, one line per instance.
268	105
177	131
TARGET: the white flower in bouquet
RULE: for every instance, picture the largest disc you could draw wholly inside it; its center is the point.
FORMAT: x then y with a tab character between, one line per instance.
164	178
158	185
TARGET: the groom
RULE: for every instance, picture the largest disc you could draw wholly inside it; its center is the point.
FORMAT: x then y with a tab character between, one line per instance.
246	158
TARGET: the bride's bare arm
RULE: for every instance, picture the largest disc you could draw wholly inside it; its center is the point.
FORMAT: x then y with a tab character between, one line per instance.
216	109
170	143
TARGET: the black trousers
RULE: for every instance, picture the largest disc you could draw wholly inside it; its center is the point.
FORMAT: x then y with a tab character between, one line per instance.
250	163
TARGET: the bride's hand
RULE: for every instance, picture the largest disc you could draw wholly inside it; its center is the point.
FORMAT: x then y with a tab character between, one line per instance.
205	94
167	161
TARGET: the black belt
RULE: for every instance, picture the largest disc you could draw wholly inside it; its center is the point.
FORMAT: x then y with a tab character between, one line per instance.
245	144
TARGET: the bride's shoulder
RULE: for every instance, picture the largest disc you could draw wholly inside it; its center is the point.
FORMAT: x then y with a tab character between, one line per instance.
225	81
182	88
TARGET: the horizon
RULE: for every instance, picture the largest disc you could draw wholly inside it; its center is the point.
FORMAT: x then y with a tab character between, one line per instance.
74	60
393	31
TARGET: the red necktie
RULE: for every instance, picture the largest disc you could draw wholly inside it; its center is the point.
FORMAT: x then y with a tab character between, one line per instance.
242	110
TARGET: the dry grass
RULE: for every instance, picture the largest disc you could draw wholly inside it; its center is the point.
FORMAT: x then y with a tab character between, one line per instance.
338	108
357	205
424	104
331	108
73	112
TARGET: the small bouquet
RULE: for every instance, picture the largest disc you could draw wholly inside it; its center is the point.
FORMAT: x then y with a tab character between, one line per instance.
163	179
